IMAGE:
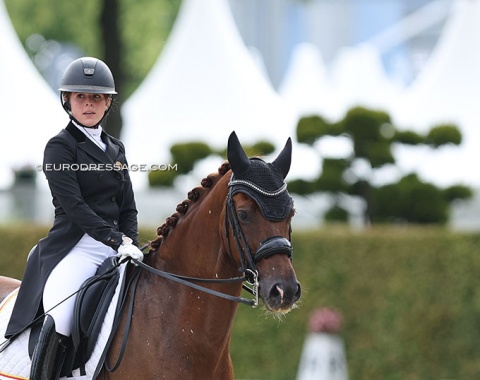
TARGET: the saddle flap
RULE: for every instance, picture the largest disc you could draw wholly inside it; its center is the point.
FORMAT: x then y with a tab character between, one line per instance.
91	306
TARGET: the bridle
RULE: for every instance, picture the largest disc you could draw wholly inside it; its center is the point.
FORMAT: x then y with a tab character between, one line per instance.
270	246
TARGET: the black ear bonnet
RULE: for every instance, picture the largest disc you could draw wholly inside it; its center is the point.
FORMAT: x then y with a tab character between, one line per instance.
260	180
264	183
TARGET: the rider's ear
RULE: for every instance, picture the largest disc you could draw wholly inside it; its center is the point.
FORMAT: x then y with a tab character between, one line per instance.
284	159
237	157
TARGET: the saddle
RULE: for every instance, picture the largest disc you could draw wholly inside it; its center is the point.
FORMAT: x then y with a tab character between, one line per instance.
95	320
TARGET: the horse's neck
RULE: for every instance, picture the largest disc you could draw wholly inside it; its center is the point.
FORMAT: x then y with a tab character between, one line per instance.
195	246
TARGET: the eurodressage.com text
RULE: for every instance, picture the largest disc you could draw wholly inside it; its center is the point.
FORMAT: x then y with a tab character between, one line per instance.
107	167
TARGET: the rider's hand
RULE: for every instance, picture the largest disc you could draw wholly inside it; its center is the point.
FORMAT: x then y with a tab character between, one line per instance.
127	249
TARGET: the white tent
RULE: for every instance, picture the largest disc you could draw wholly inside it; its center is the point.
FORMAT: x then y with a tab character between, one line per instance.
204	85
359	79
31	112
356	77
306	85
447	90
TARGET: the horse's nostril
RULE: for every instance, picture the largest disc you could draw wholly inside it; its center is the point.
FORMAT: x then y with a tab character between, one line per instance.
299	291
285	294
277	294
277	291
280	292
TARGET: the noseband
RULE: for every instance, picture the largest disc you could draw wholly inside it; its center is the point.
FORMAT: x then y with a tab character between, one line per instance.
269	247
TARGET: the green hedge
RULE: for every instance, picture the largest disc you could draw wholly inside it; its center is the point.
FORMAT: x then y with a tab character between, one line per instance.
410	300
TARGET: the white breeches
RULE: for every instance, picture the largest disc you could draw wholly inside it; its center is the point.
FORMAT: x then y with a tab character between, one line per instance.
68	276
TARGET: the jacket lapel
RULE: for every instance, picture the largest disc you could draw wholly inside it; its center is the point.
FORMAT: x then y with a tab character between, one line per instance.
112	148
89	146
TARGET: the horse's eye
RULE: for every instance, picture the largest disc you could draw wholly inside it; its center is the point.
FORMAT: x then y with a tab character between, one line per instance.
242	215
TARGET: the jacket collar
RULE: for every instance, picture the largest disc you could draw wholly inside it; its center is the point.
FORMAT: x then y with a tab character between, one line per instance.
88	146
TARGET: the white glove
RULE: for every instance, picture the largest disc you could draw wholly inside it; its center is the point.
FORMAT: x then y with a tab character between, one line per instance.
127	249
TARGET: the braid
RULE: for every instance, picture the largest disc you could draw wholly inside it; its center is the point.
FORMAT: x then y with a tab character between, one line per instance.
193	196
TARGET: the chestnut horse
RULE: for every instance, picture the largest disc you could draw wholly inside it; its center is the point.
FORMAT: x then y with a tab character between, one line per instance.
235	226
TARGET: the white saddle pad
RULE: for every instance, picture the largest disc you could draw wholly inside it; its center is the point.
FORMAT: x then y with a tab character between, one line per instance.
15	361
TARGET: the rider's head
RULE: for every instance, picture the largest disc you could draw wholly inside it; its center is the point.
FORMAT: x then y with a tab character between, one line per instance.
89	77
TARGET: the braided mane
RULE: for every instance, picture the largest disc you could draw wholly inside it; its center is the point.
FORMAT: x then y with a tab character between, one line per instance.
193	196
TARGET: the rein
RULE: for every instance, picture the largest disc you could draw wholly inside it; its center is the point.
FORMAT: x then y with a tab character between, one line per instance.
188	281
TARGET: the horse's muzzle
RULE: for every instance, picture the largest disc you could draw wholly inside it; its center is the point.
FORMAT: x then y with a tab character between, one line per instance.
282	296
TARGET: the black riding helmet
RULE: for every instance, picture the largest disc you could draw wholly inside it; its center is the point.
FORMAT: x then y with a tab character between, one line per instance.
89	75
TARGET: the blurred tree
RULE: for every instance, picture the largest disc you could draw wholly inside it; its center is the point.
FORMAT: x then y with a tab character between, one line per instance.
127	34
372	135
260	148
411	200
113	52
186	155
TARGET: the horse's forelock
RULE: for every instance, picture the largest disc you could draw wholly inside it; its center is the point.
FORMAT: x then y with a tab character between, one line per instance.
193	196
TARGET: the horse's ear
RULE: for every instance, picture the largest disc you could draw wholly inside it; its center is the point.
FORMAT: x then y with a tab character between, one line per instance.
284	159
237	158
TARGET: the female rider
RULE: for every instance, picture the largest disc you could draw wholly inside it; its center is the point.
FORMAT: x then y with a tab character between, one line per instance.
95	214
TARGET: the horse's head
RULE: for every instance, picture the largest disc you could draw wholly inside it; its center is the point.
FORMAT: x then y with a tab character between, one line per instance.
259	213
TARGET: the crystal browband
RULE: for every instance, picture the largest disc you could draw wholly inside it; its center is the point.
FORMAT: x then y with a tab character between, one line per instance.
234	182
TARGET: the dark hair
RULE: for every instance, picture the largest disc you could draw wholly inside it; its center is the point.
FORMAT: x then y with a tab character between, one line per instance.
66	97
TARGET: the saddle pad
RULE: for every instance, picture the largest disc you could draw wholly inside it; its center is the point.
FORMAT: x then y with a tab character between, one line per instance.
15	361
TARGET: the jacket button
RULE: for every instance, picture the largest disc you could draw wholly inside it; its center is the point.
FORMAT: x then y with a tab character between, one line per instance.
114	199
115	222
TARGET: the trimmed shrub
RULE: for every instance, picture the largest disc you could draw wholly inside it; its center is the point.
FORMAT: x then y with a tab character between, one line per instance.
185	155
162	178
444	134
